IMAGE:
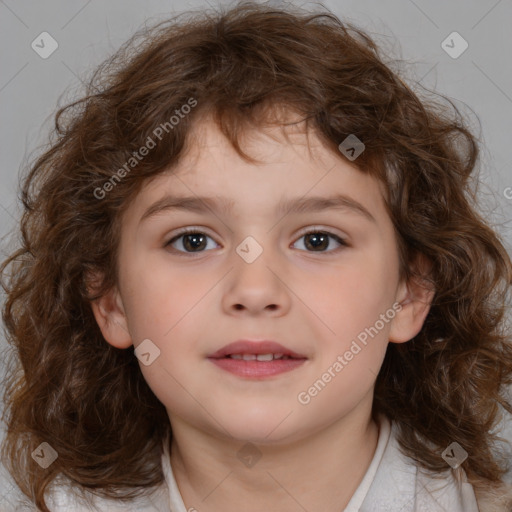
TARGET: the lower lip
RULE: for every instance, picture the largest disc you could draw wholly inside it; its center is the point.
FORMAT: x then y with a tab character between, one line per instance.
255	368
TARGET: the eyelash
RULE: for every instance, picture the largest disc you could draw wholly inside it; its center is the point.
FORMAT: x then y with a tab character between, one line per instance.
187	231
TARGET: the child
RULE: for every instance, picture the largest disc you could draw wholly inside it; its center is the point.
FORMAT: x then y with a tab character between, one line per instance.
286	237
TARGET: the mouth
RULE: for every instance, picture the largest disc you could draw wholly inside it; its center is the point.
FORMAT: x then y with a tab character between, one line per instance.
256	360
260	357
256	350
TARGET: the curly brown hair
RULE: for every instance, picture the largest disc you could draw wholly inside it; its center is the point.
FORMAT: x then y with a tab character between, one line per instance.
89	400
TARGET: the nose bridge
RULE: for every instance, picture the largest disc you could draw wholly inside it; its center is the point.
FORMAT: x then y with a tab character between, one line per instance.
254	282
255	256
250	249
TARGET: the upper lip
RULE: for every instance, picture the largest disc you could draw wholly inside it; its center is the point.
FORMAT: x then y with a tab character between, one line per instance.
255	347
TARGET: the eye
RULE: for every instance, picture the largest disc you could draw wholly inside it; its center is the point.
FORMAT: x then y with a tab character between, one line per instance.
191	239
319	240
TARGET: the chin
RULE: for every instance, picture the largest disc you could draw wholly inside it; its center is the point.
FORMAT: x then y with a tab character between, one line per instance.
265	429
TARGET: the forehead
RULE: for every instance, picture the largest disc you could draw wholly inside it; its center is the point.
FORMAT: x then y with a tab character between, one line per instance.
292	163
290	137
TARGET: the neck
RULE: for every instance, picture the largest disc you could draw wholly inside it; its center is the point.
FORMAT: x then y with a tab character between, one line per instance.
320	472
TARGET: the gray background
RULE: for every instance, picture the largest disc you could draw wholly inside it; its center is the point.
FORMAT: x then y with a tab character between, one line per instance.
88	31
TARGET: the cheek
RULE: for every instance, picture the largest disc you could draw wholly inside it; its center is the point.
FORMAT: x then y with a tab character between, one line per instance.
354	306
168	386
348	296
157	296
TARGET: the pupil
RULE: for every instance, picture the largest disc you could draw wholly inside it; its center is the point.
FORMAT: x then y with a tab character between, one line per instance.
196	243
316	240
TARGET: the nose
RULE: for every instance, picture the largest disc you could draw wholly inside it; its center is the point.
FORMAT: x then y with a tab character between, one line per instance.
256	286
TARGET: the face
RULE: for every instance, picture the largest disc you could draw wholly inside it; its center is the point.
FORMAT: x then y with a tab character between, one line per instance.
314	281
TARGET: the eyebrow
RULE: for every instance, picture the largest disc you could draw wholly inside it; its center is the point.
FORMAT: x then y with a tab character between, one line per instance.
310	204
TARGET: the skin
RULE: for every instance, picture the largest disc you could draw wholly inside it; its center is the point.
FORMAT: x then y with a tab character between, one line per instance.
315	302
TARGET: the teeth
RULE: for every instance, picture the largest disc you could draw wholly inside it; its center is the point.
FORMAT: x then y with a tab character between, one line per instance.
264	357
259	357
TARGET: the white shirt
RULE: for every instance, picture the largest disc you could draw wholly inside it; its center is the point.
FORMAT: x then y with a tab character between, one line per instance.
391	483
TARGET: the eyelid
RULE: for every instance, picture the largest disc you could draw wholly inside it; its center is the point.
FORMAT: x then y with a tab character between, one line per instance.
321	229
302	232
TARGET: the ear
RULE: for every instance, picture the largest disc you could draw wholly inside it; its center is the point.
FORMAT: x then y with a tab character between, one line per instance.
415	297
111	318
